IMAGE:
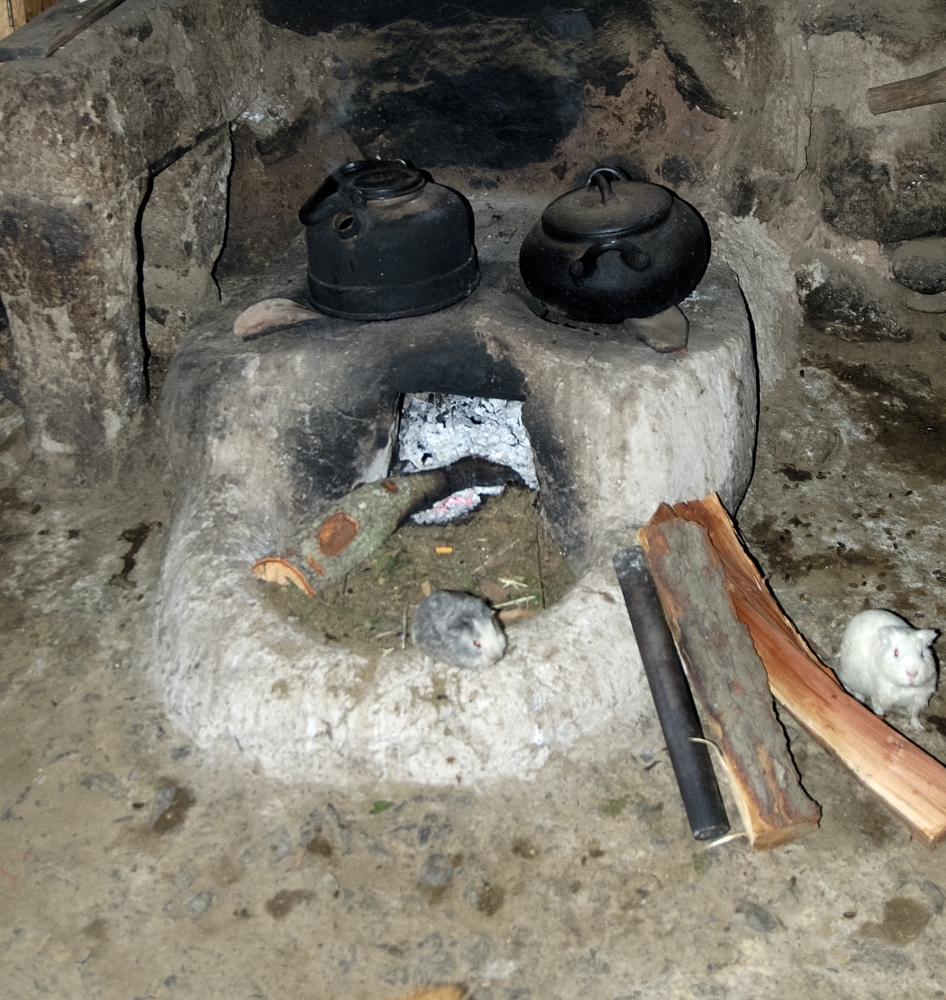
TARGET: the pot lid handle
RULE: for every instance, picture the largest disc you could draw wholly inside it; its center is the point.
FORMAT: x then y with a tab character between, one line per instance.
602	177
608	204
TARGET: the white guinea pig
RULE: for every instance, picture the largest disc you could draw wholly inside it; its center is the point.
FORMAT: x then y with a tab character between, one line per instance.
886	660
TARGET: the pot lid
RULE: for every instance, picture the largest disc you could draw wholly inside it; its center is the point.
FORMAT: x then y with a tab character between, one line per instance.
609	204
376	179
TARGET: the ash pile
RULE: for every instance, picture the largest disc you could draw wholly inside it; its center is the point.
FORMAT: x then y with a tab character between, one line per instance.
437	430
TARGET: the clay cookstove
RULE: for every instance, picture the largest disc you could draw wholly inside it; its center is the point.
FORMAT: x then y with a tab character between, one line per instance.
265	432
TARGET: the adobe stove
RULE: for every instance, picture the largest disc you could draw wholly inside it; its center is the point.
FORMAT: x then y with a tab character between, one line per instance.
268	428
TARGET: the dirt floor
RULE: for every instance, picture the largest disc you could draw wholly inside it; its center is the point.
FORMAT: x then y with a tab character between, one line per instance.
135	865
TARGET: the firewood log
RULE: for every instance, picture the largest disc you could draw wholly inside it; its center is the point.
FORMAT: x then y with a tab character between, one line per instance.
906	780
729	683
348	531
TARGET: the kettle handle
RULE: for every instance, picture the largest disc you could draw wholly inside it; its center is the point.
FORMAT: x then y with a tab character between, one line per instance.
327	200
308	214
632	255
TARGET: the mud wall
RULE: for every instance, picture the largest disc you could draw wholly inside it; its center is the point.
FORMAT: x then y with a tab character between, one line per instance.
205	125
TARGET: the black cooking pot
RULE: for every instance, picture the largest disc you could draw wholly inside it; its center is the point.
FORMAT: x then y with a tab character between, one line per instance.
615	249
385	241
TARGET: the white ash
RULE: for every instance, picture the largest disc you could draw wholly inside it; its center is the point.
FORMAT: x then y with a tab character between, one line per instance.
437	430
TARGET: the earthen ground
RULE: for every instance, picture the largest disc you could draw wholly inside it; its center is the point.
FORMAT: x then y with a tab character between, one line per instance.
134	864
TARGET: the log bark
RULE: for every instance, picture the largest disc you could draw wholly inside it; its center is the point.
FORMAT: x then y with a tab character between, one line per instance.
729	684
915	92
902	777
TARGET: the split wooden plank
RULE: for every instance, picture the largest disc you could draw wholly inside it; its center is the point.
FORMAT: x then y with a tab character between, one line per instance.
52	28
729	684
915	92
904	778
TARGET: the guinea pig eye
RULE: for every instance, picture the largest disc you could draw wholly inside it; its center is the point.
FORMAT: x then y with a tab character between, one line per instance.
476	642
896	652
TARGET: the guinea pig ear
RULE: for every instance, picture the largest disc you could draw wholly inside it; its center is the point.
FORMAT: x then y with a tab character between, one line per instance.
890	635
927	635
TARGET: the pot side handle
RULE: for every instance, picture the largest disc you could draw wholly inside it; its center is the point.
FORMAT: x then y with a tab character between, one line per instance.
632	255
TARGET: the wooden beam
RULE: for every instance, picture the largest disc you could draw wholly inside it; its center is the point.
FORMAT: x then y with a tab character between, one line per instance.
729	683
52	28
904	778
915	92
12	16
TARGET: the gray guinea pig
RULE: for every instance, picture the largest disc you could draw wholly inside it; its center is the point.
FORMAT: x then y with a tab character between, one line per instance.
458	629
888	661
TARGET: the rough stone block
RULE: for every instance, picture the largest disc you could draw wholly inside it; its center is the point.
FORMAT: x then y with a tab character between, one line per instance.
182	231
852	305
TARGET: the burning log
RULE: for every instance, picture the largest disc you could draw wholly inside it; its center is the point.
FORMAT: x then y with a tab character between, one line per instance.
907	781
351	529
729	683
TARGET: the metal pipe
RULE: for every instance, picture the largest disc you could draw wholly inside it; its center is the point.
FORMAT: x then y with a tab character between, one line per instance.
674	702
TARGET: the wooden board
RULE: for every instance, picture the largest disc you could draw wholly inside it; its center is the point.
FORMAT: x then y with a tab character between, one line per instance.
13	15
729	683
913	93
46	32
904	778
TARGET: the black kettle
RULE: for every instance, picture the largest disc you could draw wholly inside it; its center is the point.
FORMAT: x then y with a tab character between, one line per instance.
384	241
615	249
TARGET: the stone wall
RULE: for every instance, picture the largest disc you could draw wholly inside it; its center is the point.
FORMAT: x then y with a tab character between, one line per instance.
90	141
115	150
